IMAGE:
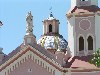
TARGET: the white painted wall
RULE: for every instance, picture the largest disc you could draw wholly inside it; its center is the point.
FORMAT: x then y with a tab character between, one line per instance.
43	29
71	40
73	3
97	30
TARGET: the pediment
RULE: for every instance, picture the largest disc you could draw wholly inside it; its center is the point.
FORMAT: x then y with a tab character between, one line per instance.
31	53
31	67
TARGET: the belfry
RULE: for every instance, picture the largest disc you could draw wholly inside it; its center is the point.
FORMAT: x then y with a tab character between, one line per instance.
83	28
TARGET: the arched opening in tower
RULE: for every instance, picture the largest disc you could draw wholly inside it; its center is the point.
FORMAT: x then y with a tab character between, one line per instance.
90	43
50	28
81	43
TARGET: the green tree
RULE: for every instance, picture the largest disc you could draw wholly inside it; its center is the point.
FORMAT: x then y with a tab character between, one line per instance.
96	58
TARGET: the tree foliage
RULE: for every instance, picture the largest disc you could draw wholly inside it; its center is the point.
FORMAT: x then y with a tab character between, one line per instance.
96	58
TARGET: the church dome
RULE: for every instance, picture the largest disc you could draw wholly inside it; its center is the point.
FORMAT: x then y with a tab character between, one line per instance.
53	42
51	39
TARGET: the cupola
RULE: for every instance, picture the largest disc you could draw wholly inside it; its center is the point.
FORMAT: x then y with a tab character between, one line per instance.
51	25
51	39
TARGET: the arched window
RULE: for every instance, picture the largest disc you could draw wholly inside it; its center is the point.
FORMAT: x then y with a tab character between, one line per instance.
50	28
81	43
90	43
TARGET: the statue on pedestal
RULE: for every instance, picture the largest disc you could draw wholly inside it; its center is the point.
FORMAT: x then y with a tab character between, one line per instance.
29	26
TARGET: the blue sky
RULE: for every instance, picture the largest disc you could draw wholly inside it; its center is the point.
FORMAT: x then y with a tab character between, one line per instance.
13	14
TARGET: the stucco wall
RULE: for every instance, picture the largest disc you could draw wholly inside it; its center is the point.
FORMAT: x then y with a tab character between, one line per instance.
85	33
54	23
35	69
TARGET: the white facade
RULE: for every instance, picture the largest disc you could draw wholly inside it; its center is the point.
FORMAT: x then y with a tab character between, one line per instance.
73	3
92	30
71	35
97	30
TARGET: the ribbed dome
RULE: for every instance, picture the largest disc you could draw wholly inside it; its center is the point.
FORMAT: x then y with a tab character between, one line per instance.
53	42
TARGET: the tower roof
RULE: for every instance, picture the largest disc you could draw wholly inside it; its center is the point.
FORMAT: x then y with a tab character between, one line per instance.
83	10
51	17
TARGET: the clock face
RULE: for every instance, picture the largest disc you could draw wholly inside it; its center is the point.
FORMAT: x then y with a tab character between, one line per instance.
84	24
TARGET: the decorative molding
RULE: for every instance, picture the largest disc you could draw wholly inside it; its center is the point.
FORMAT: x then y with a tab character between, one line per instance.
89	24
69	15
30	53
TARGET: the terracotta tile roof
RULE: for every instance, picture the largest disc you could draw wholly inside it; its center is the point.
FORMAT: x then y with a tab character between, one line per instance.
36	46
80	62
44	51
7	57
83	9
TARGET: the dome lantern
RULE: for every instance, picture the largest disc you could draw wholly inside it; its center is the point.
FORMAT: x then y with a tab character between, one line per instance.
51	25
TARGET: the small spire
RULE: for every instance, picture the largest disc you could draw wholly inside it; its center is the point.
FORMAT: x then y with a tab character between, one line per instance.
51	15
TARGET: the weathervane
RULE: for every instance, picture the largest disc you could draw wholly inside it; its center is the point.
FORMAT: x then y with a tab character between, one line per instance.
50	9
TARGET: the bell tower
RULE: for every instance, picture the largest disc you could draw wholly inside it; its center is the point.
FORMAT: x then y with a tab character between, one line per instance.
83	3
83	28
